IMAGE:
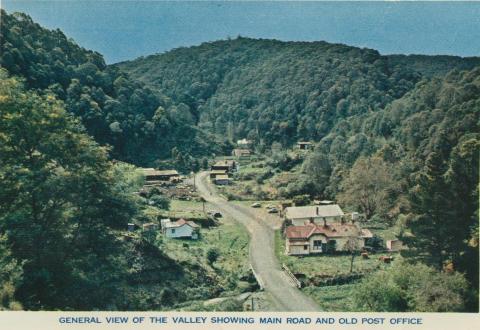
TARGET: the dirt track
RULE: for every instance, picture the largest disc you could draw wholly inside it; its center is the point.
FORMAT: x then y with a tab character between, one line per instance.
276	283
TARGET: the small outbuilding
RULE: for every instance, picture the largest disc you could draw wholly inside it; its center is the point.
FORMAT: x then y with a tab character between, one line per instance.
394	245
304	145
150	226
222	180
241	153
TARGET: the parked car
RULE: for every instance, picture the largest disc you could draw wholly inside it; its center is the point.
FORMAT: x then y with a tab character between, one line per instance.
272	210
256	205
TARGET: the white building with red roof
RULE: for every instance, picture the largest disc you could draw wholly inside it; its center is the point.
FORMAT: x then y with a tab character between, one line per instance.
314	238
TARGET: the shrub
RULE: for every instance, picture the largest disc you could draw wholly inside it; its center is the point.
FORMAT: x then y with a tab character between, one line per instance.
412	288
301	200
212	255
160	201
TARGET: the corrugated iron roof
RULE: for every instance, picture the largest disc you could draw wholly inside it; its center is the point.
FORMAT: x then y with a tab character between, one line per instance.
331	230
298	212
180	223
152	171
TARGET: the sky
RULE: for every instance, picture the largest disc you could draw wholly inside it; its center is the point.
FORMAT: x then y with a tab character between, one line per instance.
124	30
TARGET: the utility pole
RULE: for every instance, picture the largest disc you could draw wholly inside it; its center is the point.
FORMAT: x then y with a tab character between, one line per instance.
194	185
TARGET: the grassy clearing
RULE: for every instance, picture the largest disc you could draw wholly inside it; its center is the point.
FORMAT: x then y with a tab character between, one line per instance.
184	209
228	238
336	298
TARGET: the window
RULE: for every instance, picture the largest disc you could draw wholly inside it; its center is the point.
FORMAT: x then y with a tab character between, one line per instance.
305	247
173	231
317	245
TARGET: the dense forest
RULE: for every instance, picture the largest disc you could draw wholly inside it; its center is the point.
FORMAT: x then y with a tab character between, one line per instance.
140	124
396	138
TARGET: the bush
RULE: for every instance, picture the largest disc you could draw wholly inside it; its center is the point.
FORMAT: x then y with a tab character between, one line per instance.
412	288
160	201
301	200
212	255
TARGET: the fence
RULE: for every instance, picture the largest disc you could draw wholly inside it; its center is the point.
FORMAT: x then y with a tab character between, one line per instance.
292	277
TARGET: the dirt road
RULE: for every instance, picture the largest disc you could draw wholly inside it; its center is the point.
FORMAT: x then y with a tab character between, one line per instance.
276	283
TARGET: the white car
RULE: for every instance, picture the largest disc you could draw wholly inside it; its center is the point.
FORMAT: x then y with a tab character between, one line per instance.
255	205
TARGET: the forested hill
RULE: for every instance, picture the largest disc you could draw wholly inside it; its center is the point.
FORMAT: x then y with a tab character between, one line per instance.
141	125
397	137
269	90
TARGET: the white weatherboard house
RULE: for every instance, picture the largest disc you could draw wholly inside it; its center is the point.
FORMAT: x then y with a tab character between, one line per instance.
302	215
181	229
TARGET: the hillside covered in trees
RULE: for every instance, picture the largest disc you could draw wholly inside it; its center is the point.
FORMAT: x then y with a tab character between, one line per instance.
140	124
396	138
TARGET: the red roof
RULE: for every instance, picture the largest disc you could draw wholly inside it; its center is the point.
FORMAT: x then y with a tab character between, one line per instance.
330	230
181	222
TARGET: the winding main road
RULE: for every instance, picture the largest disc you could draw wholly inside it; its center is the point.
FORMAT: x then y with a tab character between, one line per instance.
275	282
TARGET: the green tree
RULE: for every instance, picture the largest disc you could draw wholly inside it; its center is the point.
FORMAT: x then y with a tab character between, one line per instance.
58	204
10	277
317	167
432	221
212	255
367	187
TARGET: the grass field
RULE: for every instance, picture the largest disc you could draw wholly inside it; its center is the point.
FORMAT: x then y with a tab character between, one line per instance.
337	298
184	209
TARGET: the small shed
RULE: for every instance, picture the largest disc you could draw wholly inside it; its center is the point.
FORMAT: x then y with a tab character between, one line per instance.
222	180
394	245
150	226
241	153
131	227
304	145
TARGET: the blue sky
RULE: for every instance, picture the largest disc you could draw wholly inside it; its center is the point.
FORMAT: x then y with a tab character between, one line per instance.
123	30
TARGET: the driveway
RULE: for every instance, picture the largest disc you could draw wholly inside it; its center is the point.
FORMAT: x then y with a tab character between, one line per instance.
276	283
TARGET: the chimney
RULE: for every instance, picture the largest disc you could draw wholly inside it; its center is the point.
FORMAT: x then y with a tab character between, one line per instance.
354	216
